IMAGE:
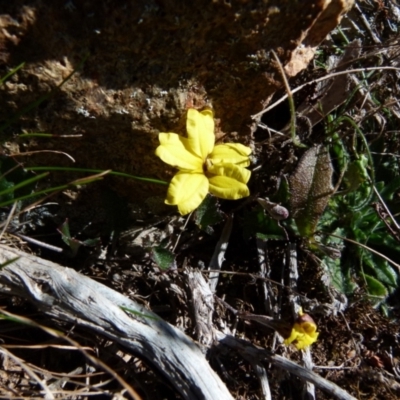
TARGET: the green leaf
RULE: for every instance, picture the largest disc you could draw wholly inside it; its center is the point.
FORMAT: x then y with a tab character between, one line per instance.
390	189
8	262
139	314
74	245
6	190
97	171
310	189
375	288
340	275
71	242
340	152
11	73
256	222
356	173
385	272
208	214
335	273
384	238
264	236
64	230
164	258
381	269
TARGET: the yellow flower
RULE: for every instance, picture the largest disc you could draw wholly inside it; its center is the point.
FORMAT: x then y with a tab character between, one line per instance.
304	332
203	167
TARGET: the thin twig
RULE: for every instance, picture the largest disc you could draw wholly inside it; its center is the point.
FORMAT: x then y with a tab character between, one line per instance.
245	347
386	208
38	242
367	248
72	342
29	153
8	220
349	71
180	233
49	395
73	297
295	139
219	254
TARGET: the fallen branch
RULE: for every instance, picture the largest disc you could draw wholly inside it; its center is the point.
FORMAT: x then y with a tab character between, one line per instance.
65	294
247	350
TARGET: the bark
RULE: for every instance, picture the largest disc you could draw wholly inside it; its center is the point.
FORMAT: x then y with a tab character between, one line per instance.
65	294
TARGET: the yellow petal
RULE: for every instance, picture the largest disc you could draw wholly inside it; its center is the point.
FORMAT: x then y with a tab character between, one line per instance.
230	170
305	341
187	191
293	336
228	188
173	151
299	336
234	153
200	130
302	343
309	328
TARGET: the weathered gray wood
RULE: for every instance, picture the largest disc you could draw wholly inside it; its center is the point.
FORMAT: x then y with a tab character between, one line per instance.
202	304
219	255
67	295
247	350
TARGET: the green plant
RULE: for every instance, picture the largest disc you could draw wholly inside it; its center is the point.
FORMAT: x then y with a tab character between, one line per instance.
351	216
73	243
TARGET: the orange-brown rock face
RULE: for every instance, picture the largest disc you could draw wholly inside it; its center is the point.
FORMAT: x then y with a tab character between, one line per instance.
147	62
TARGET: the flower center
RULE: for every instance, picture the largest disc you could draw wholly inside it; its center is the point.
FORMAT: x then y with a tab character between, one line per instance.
207	164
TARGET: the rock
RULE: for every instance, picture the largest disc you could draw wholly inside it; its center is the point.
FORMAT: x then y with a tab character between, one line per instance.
147	62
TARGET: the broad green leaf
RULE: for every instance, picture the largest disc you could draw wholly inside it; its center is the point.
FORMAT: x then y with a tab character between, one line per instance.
381	269
375	288
356	173
311	189
335	273
164	258
385	272
208	214
383	238
340	275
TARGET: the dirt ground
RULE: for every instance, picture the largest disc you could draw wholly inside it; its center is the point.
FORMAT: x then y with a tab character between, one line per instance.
132	81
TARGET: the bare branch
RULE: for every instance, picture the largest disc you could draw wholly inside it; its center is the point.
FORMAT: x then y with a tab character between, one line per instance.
65	294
